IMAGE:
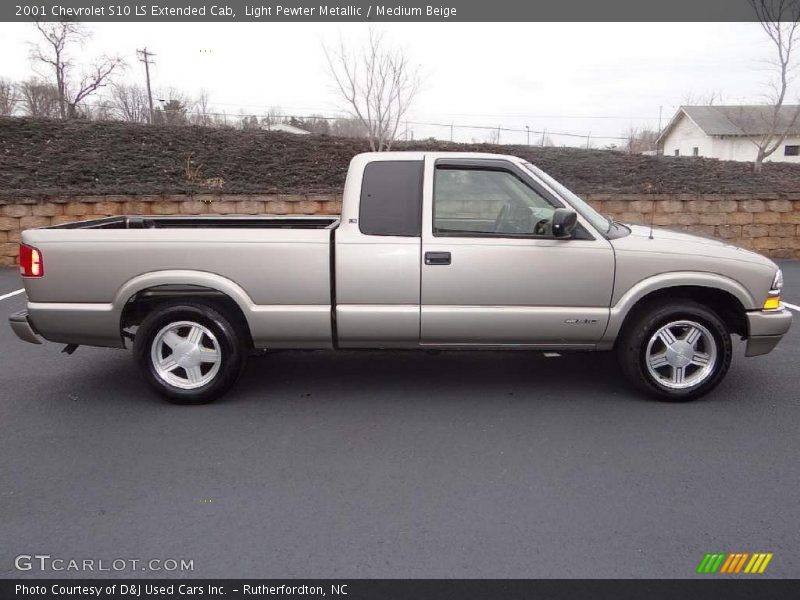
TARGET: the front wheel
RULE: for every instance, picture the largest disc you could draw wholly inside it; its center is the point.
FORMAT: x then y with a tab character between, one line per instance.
189	352
676	351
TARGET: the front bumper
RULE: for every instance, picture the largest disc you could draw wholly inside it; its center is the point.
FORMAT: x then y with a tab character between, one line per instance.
22	327
765	330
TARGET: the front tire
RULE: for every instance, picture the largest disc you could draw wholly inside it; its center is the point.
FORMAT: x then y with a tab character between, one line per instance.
189	352
676	351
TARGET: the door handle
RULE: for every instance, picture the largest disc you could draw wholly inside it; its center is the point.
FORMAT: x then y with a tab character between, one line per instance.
437	258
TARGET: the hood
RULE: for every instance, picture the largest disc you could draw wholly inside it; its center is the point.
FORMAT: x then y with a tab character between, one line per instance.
679	242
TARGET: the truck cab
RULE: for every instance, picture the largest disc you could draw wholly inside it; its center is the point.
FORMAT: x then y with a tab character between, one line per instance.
457	250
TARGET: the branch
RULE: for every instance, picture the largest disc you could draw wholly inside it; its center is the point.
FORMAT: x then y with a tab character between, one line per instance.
97	79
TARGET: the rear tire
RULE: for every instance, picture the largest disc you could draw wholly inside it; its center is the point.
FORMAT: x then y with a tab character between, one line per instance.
676	351
189	352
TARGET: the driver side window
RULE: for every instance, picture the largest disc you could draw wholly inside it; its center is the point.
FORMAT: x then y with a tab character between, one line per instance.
488	202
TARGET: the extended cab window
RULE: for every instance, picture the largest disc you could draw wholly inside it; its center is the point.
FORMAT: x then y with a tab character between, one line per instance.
391	198
488	202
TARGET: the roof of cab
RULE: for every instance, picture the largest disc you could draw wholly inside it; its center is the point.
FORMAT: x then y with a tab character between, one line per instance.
417	155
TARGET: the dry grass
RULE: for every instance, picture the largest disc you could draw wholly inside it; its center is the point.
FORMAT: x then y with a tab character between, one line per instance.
41	158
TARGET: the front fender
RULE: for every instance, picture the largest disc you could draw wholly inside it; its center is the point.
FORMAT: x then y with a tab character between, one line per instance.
662	281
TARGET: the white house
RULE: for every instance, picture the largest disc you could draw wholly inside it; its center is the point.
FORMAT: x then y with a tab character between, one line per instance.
729	132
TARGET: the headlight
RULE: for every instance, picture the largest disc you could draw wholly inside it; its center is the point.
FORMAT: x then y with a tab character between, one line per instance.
777	283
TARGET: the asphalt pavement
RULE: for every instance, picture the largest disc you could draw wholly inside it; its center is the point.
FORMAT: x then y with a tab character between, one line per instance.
396	464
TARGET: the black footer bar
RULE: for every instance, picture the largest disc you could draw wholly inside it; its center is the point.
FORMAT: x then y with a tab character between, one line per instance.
396	589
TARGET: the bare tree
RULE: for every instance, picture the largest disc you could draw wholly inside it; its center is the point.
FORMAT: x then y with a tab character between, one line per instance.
316	124
130	103
9	96
39	99
104	110
221	120
493	137
707	99
247	121
202	112
780	20
58	38
273	117
640	139
378	84
349	128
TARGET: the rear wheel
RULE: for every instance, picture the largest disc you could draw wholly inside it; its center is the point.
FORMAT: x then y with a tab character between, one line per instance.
189	352
676	351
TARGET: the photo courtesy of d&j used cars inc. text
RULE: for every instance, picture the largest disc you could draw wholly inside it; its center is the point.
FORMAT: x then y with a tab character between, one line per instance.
487	301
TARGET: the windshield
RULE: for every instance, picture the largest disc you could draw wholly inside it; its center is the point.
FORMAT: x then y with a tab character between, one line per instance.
597	220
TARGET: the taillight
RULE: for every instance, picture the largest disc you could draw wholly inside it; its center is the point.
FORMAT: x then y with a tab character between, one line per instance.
30	261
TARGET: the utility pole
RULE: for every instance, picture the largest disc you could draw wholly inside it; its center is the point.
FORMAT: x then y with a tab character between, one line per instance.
544	133
660	110
528	134
451	130
144	56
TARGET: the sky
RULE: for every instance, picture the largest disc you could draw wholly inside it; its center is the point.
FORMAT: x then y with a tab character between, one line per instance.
590	79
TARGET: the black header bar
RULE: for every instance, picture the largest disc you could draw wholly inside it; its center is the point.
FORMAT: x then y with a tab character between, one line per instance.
363	10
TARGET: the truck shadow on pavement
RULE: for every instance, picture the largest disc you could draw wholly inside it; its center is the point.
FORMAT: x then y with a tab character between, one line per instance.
419	375
321	377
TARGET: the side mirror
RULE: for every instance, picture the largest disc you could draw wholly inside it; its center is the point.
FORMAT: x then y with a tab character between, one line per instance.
564	221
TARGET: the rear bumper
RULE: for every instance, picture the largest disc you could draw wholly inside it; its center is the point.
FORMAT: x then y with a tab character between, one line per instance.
22	327
766	328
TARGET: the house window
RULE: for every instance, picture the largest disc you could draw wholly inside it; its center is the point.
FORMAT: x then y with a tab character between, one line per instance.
695	151
677	152
791	150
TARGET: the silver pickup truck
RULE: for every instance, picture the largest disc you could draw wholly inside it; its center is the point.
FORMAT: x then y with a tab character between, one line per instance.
432	251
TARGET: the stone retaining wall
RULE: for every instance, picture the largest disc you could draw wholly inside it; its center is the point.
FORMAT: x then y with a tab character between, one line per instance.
769	224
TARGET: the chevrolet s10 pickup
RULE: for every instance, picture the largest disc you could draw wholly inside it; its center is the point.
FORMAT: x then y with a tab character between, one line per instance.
432	251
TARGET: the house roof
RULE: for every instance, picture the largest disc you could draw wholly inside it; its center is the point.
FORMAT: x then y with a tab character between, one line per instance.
754	119
287	128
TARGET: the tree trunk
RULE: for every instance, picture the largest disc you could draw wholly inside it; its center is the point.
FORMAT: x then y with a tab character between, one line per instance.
758	163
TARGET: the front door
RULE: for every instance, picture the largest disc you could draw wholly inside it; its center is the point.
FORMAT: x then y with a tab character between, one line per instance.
493	274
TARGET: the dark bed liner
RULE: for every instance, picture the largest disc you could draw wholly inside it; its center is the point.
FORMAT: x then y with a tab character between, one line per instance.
204	222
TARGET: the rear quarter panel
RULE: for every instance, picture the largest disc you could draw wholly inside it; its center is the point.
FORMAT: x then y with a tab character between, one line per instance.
282	276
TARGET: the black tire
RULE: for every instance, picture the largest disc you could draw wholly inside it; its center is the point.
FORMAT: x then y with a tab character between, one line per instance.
632	349
226	341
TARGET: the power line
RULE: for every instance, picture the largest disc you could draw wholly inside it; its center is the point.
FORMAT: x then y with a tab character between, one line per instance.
546	116
448	126
501	115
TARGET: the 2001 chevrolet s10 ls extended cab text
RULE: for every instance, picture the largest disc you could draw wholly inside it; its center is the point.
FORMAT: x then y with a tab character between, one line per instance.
432	250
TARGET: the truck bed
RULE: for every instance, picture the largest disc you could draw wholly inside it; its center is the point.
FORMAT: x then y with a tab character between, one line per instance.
278	269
